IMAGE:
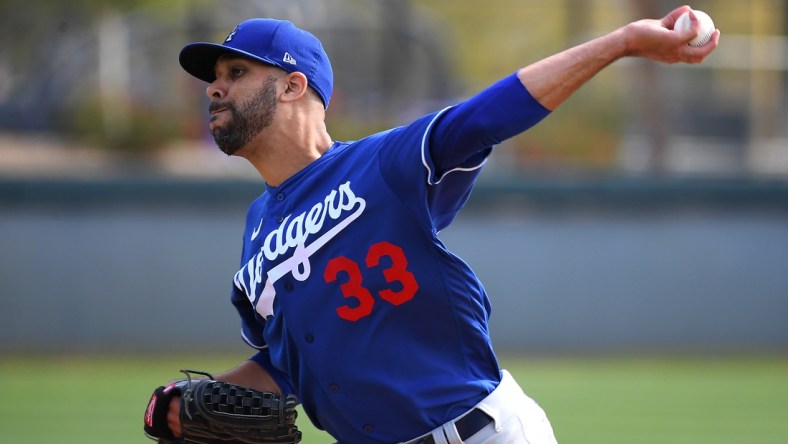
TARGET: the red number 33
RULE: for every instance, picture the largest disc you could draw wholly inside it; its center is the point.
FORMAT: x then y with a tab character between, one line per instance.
353	287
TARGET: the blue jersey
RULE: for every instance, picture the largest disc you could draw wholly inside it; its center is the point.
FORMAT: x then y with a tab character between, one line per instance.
352	299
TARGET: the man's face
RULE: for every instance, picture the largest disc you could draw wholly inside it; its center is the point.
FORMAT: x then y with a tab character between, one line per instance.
243	102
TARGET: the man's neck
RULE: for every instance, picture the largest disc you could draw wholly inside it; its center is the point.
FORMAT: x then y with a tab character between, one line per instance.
279	157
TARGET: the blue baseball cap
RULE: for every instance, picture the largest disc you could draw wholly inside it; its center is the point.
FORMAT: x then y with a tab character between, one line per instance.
274	42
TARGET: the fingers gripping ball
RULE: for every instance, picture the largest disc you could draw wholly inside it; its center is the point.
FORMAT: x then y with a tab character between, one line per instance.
219	412
705	31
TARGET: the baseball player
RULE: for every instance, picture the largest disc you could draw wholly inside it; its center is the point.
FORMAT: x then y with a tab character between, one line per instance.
344	287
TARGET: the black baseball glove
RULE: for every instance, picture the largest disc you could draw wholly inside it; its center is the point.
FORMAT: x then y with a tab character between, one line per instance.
214	412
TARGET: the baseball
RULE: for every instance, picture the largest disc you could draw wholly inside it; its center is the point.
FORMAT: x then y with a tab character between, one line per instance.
704	32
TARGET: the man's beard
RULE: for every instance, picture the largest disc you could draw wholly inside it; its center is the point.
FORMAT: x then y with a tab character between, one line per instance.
246	122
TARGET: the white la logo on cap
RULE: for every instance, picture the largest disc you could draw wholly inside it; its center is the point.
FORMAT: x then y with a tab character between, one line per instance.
289	59
231	35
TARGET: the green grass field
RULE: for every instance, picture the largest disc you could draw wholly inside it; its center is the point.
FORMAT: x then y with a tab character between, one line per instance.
86	400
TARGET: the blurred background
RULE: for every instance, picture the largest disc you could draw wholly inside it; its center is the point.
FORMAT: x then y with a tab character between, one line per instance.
647	216
651	210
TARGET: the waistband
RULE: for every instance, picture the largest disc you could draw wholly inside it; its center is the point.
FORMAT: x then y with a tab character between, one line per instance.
490	409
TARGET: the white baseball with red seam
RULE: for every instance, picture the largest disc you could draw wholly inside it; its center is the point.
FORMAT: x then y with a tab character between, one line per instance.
704	32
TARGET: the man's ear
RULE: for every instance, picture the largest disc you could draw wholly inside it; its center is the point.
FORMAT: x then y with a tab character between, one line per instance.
295	87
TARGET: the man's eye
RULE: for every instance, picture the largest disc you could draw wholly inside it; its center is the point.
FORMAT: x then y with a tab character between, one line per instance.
235	72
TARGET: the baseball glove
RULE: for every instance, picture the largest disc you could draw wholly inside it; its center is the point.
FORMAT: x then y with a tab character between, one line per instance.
214	412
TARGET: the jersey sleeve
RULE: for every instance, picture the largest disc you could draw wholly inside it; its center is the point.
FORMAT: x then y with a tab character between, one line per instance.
441	154
463	136
251	323
251	327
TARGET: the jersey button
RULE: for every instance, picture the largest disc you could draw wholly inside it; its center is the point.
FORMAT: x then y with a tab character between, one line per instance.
280	219
280	197
368	428
288	286
333	388
309	338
